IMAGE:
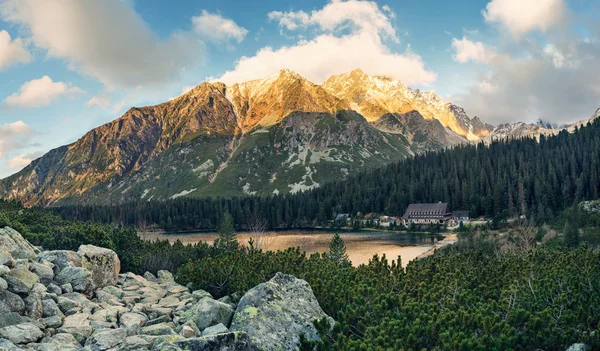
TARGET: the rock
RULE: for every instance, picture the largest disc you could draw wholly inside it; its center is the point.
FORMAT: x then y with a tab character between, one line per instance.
207	312
200	294
150	277
109	314
66	288
50	308
21	333
220	342
276	312
39	288
165	276
11	301
52	322
3	284
44	272
578	347
11	318
6	258
21	281
132	322
16	246
77	325
61	259
103	263
60	342
158	329
55	289
134	343
107	339
6	345
4	270
161	319
215	329
79	278
33	306
165	342
187	332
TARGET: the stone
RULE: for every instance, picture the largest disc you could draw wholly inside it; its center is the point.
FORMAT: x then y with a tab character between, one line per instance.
132	322
228	341
103	263
52	322
66	288
158	329
135	342
21	281
150	277
22	333
187	332
207	312
50	308
33	306
200	294
6	258
4	270
11	301
55	289
79	278
3	284
106	339
578	347
165	342
16	245
6	345
109	314
164	276
60	342
215	329
11	318
44	272
39	288
158	320
77	325
61	259
275	313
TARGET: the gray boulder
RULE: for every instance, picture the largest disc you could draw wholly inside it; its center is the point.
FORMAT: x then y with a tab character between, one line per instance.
215	329
61	259
158	329
132	322
77	325
21	333
103	263
6	345
21	281
44	272
16	245
106	339
60	342
208	312
578	347
238	341
50	308
200	294
3	284
79	278
276	312
33	306
11	302
6	258
11	318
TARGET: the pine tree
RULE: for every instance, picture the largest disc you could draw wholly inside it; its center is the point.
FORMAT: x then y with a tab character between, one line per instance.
337	251
571	235
227	241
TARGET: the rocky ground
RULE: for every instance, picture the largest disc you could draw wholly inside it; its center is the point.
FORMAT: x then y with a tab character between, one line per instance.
66	300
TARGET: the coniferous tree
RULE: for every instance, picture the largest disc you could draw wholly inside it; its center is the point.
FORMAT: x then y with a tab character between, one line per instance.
227	241
337	251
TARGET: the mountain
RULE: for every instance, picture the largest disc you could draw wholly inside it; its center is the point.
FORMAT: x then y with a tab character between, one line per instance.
277	135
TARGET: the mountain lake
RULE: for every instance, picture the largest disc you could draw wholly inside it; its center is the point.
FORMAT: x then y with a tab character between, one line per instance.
361	246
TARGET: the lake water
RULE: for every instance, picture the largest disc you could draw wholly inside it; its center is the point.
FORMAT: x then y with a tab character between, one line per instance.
361	246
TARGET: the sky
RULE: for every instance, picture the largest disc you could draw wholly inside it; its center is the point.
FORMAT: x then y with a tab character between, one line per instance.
67	66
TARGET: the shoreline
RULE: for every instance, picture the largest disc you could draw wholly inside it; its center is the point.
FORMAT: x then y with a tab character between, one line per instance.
449	239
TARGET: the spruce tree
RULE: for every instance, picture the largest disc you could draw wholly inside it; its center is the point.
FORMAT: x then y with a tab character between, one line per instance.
227	241
337	251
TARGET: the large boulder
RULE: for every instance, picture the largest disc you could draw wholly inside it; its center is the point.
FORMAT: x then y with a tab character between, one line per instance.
21	281
77	325
208	312
106	339
79	278
10	302
103	263
21	333
61	259
275	313
16	245
578	347
60	342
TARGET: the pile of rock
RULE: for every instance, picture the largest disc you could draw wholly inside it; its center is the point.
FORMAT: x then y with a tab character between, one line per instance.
66	300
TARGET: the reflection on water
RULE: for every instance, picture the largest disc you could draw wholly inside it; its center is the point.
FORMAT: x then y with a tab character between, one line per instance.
361	246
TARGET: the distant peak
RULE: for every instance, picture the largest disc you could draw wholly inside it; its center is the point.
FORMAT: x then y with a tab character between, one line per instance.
288	72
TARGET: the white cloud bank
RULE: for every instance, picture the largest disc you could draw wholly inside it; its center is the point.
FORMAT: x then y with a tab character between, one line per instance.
40	92
467	50
214	27
352	35
522	16
13	135
12	51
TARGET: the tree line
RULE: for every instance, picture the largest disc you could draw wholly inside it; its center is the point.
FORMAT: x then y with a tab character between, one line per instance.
507	178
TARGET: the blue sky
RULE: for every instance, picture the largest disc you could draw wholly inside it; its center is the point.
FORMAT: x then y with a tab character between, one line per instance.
68	66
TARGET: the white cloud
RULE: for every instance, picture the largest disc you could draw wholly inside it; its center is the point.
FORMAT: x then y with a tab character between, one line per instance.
352	34
21	161
341	15
214	27
13	135
40	92
559	58
12	51
105	39
467	50
98	100
522	16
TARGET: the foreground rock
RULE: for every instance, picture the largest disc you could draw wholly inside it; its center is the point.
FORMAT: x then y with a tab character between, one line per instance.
276	312
66	300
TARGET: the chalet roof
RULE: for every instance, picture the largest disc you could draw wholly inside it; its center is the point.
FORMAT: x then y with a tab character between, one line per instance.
437	209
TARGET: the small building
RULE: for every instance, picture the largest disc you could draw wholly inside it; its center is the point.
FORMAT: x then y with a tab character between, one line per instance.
461	216
343	217
437	213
